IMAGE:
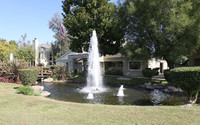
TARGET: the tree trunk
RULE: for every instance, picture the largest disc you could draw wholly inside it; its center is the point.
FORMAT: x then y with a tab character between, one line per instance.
193	100
170	64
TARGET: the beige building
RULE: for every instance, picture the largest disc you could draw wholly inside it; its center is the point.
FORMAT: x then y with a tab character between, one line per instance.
77	62
43	53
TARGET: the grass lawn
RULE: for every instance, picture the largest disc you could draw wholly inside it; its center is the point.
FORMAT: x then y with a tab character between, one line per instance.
17	109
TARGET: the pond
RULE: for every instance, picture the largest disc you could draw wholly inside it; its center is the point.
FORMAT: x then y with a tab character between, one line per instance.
133	96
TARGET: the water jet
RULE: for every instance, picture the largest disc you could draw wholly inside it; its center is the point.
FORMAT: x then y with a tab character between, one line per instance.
11	57
94	75
121	91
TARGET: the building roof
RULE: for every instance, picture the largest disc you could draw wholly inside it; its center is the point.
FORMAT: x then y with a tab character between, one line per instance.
70	53
45	46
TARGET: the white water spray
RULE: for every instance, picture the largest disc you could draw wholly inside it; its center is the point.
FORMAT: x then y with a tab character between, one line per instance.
94	76
11	57
90	96
121	91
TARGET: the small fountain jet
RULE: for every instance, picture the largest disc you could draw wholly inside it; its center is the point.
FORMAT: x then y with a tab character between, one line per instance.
90	96
121	91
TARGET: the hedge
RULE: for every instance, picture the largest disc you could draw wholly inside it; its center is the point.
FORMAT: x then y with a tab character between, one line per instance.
113	71
148	72
28	76
166	75
187	78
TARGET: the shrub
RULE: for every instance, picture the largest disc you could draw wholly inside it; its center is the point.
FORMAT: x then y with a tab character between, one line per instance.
166	75
60	72
11	69
148	72
2	79
37	93
28	76
26	90
54	77
188	79
113	71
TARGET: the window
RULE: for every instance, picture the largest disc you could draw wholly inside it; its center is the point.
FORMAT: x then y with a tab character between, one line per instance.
136	65
119	64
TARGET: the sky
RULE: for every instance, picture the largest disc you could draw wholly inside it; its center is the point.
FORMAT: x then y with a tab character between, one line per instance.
18	17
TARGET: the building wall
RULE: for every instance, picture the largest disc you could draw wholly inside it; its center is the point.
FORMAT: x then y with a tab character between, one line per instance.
71	59
61	63
134	72
44	56
156	63
126	70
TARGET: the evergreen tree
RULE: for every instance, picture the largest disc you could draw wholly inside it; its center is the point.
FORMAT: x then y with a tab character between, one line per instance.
165	29
81	17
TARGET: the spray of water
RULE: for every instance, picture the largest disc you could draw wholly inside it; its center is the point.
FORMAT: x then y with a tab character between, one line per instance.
11	57
94	76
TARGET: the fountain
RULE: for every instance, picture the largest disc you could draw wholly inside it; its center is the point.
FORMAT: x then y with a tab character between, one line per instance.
11	57
94	76
122	87
90	96
121	91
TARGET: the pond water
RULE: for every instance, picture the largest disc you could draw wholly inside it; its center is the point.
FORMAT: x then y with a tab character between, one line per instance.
133	96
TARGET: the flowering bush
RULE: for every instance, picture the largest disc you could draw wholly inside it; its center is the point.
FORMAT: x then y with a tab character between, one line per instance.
2	79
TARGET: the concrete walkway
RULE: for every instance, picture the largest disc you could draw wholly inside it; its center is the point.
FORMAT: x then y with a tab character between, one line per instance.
159	77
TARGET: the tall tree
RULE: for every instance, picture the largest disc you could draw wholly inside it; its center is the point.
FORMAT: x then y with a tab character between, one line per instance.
81	17
24	51
167	29
63	42
6	49
13	42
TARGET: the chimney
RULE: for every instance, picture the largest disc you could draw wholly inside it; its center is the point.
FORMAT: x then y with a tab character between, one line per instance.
35	48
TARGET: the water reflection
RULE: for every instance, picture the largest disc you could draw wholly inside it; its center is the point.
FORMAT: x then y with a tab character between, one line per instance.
157	97
70	92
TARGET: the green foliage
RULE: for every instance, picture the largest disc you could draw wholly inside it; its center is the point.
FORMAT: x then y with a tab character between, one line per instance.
166	75
113	71
28	76
25	53
187	78
37	93
6	49
13	42
148	72
82	17
78	78
81	75
166	29
134	52
60	72
54	77
26	90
